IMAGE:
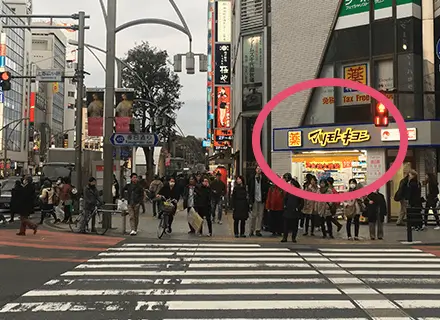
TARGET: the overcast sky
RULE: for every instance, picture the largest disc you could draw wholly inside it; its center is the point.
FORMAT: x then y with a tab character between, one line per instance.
192	117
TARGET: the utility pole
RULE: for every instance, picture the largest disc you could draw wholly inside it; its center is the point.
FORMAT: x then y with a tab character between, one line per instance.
109	105
79	100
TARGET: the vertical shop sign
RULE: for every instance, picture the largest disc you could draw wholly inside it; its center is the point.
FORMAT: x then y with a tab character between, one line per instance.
2	50
357	73
222	64
224	21
222	74
223	106
253	62
95	112
123	109
210	73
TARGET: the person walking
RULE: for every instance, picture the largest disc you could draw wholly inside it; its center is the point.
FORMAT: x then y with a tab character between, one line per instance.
218	189
203	204
115	189
258	188
309	210
376	212
170	191
15	203
154	189
335	205
23	199
47	199
292	210
134	193
91	201
189	200
353	210
66	198
414	197
240	207
275	207
324	210
432	192
402	196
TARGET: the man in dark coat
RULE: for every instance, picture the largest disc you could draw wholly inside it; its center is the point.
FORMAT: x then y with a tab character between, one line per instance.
292	210
26	195
134	193
258	189
218	189
376	212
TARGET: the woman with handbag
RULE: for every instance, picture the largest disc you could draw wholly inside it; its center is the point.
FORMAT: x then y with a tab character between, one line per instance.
353	210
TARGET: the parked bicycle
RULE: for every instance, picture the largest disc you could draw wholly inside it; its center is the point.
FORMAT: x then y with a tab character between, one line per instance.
167	209
98	214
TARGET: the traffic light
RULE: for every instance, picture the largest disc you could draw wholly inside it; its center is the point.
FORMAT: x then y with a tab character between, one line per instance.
381	115
5	80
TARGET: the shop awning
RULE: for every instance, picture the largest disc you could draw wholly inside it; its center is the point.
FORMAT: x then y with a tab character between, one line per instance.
326	157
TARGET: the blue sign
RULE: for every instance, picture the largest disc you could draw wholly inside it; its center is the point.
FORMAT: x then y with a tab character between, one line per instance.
2	96
206	143
2	61
125	153
134	139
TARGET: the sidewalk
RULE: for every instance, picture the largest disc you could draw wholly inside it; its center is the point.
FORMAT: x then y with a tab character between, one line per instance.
394	235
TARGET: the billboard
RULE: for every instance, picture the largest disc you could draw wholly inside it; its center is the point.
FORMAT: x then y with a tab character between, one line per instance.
123	109
95	111
222	64
223	107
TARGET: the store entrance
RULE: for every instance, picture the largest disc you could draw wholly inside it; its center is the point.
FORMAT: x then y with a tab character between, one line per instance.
393	184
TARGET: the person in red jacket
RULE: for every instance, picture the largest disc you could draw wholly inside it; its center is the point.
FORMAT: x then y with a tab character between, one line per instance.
335	221
275	207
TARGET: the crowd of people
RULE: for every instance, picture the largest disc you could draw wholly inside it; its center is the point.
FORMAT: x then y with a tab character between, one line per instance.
256	204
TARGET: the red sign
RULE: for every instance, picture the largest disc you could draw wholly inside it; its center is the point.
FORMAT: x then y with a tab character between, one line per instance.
101	168
223	106
32	107
122	124
95	126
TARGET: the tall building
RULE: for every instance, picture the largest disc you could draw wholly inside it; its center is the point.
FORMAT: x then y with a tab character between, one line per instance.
14	106
49	52
392	46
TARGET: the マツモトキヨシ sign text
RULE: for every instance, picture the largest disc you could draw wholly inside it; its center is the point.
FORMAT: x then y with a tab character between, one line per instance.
346	137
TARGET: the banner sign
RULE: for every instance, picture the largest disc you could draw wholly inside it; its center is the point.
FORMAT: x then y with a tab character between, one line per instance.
223	106
222	64
95	112
224	21
124	109
253	60
210	73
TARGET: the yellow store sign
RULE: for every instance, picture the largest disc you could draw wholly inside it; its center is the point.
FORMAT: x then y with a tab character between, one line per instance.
346	137
294	139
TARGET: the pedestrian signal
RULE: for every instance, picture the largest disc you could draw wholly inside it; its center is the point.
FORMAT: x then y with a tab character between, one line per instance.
381	115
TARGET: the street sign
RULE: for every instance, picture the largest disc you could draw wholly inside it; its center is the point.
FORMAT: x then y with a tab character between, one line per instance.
134	139
49	75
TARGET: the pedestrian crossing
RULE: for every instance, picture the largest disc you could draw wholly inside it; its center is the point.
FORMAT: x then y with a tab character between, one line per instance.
239	281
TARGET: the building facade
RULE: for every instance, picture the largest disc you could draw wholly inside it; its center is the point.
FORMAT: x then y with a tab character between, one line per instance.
15	103
389	45
251	56
49	52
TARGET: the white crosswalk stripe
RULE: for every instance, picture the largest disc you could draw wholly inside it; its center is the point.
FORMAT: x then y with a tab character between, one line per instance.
239	281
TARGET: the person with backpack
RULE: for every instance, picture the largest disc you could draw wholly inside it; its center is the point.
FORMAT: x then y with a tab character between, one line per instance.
49	199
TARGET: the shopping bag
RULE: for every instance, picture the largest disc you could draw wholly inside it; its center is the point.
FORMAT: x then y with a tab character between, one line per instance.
122	205
194	219
59	212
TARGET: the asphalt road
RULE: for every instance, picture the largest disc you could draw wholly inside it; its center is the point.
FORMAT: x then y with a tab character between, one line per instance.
28	262
164	280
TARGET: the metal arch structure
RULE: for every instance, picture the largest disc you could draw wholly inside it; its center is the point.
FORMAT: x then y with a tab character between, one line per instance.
155	21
